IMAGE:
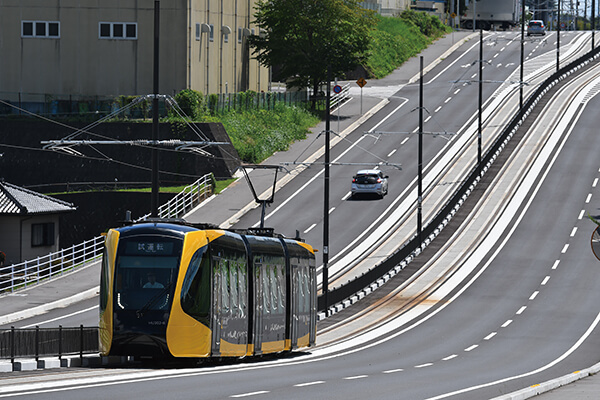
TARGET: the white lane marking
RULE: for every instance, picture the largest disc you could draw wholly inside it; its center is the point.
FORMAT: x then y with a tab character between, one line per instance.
521	310
347	196
574	231
456	91
249	394
331	210
556	264
424	365
438	108
309	383
472	347
473	76
581	214
589	197
595	182
349	378
534	295
530	373
392	371
546	279
447	100
310	228
416	130
428	118
564	250
507	323
450	357
61	317
406	139
491	335
391	153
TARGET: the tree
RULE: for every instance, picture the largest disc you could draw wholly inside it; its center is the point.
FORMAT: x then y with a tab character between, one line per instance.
304	37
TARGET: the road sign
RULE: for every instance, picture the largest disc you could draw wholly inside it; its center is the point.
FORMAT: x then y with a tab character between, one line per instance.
337	89
361	82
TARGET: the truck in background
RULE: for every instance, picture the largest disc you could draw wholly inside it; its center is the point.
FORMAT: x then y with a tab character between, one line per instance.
503	14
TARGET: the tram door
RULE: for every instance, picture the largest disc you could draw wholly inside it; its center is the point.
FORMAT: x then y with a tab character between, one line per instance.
217	307
259	309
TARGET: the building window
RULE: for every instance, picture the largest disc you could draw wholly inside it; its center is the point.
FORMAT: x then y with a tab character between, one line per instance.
240	29
42	234
117	30
197	31
40	29
211	35
226	37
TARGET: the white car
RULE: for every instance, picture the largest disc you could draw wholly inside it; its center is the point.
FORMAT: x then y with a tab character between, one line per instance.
370	181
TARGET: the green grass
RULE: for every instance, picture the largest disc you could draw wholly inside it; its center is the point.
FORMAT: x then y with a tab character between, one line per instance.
395	40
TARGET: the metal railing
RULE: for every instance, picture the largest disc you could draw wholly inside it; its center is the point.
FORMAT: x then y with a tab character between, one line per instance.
48	342
28	273
188	198
340	98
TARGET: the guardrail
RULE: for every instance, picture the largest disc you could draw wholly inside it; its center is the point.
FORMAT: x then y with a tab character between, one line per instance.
27	273
48	342
188	198
380	273
340	98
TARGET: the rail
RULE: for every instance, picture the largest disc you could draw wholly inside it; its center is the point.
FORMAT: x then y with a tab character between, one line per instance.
28	273
337	99
188	198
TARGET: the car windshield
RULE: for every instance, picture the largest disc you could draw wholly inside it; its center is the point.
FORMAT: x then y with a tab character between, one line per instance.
366	179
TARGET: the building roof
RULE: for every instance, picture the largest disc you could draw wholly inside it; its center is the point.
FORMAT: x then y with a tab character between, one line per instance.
17	200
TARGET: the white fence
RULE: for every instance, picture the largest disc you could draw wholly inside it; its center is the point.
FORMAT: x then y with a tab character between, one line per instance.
187	199
28	273
22	275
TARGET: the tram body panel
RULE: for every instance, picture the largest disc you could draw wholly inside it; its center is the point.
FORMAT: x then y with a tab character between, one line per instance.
229	322
269	301
106	299
186	335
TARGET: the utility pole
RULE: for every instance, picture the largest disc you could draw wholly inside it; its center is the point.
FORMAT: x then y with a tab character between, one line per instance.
155	184
325	284
522	54
558	38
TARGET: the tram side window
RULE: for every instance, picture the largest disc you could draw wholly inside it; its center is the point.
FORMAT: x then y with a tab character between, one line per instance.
104	279
223	271
195	291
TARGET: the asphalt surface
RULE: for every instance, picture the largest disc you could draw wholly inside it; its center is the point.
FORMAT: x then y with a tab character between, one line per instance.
226	208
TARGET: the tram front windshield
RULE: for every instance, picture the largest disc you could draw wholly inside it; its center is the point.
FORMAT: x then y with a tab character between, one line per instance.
146	271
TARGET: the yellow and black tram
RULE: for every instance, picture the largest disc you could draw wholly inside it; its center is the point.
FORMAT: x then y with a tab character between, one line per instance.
173	290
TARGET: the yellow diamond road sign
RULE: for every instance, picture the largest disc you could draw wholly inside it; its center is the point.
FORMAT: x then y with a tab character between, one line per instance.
361	82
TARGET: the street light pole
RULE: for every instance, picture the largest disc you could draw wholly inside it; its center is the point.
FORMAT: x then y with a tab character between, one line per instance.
325	284
522	54
480	98
558	38
155	185
420	166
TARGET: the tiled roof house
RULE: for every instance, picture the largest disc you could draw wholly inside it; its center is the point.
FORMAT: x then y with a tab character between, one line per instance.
28	223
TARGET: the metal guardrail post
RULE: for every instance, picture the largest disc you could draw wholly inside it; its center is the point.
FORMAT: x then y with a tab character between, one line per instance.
81	342
12	344
37	343
60	344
